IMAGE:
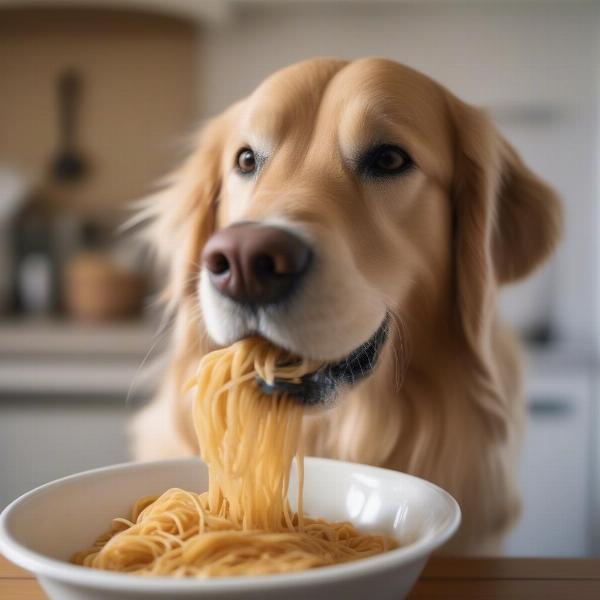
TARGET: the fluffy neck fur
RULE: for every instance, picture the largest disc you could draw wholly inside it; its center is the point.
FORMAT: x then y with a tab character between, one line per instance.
436	423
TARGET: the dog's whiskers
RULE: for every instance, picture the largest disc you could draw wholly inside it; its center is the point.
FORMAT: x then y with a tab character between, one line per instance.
165	326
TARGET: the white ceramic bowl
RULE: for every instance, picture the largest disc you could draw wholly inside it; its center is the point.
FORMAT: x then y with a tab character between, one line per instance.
42	529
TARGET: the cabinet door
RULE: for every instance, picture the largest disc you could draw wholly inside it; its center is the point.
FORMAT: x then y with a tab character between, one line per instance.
43	439
555	467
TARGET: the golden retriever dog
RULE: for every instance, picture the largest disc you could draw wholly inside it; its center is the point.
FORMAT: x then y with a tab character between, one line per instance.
359	214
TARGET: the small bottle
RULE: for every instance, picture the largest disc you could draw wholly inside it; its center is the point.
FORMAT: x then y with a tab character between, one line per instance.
35	272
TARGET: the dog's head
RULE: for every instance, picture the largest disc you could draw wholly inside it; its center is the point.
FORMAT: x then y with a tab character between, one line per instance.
335	196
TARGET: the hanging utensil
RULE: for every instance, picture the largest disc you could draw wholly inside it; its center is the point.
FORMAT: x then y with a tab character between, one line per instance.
68	165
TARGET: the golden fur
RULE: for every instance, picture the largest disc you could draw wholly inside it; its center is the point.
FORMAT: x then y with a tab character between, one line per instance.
431	247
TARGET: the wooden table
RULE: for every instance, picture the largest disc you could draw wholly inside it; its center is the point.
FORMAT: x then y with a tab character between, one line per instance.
443	578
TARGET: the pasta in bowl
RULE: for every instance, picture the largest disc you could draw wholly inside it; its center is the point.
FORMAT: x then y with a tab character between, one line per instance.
43	529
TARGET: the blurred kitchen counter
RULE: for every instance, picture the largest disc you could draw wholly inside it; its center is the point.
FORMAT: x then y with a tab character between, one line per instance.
47	357
64	336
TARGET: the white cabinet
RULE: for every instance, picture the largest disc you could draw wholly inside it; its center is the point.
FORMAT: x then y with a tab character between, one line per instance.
556	471
43	439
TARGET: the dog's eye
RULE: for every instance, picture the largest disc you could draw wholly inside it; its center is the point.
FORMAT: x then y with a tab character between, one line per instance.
386	160
246	161
389	159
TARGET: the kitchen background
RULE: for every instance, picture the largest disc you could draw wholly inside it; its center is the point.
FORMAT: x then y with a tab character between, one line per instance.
97	99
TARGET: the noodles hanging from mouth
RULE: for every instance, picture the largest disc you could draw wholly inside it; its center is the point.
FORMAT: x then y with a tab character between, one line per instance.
243	524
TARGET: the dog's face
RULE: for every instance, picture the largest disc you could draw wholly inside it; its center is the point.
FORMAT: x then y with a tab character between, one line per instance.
391	188
351	162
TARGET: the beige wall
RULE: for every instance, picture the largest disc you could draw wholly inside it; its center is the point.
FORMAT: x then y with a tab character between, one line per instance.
139	75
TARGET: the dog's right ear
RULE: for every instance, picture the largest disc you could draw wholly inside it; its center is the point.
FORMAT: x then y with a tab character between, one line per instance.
180	217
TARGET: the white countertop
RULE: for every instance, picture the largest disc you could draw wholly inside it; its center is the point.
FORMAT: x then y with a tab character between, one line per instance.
52	357
53	337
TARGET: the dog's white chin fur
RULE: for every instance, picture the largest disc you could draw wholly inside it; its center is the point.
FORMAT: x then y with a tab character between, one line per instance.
321	322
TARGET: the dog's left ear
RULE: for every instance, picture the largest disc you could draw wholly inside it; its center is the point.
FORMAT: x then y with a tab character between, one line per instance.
506	220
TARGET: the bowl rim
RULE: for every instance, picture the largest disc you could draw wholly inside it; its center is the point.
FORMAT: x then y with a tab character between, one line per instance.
41	565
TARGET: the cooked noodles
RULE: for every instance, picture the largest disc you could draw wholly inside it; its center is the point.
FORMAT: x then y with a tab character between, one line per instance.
244	524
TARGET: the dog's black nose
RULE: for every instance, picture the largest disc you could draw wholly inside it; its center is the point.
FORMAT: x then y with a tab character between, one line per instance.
255	264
